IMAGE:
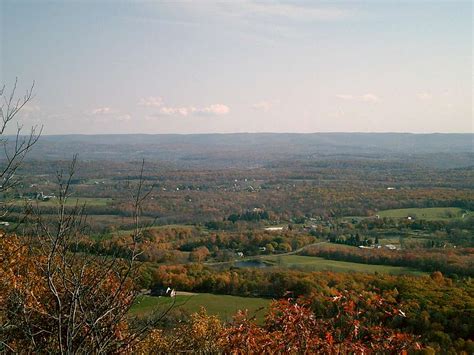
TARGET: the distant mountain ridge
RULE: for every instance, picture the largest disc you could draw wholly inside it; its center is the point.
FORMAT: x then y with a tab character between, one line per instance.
248	149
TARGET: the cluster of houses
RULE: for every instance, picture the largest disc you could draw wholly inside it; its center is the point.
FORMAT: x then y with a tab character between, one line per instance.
387	246
37	196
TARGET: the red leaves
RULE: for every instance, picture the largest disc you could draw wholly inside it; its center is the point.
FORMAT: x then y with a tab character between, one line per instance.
329	339
292	327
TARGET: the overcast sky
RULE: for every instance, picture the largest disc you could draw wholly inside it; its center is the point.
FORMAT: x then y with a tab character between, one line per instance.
241	66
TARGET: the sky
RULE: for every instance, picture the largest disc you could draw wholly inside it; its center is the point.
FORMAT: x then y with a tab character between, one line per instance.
240	66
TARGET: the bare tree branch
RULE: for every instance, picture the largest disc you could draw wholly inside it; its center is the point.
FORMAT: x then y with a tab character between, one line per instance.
17	146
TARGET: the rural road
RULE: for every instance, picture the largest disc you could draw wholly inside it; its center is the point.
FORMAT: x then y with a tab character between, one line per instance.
256	257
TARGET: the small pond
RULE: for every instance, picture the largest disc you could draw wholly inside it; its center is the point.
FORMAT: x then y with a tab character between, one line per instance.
251	263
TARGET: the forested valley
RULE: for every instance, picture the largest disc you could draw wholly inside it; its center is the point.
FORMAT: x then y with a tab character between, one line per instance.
387	240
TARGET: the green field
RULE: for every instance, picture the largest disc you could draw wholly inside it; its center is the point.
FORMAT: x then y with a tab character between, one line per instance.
71	201
435	213
166	226
224	306
313	263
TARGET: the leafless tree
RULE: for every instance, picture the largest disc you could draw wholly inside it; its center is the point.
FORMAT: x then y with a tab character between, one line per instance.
16	146
70	301
90	295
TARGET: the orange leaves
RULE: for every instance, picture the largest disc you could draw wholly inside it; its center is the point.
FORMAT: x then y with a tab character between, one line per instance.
70	301
290	327
155	342
329	339
349	306
199	254
243	336
202	333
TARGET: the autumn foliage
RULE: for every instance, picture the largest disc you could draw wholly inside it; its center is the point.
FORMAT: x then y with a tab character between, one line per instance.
354	324
43	311
35	317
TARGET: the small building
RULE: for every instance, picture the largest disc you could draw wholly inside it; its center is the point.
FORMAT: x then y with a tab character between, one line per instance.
273	229
170	292
163	292
43	197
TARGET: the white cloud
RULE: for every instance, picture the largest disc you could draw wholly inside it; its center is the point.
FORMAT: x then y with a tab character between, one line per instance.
292	11
175	111
103	111
338	113
265	105
424	96
212	110
370	98
345	97
30	108
301	12
31	112
107	114
157	102
151	101
215	109
125	117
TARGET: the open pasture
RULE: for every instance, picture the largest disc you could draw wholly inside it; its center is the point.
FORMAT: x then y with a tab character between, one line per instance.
224	306
312	263
430	214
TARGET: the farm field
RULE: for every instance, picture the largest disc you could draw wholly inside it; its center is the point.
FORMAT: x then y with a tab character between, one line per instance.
224	306
313	263
434	213
72	201
160	227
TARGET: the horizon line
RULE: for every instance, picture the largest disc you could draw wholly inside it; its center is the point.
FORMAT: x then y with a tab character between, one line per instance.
263	132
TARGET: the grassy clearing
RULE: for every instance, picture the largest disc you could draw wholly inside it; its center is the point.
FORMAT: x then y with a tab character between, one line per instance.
313	263
224	306
435	213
